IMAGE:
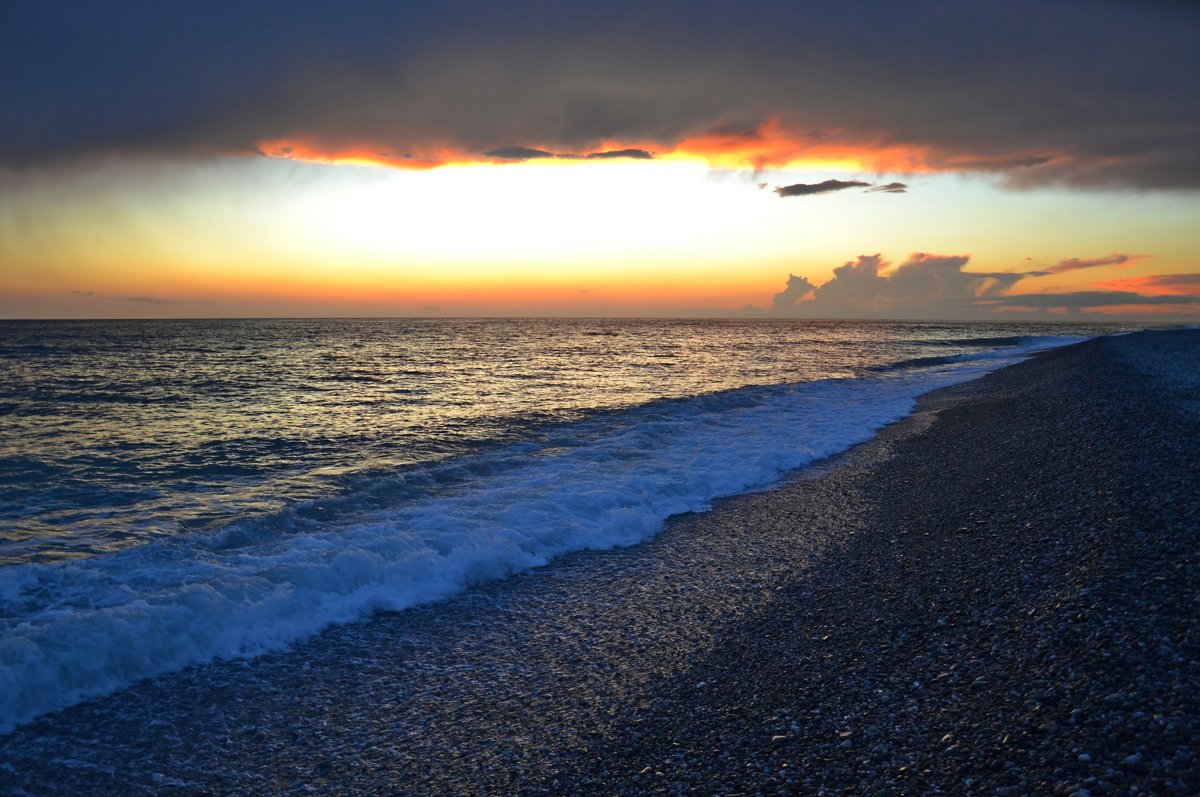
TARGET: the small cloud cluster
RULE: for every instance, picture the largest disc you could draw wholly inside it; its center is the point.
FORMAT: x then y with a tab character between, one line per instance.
518	154
829	186
635	154
1075	263
521	154
824	187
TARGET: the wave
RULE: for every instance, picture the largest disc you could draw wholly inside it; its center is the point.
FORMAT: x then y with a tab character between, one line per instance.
78	629
1005	340
1021	347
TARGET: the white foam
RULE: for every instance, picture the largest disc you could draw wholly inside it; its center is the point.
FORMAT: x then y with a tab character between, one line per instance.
80	629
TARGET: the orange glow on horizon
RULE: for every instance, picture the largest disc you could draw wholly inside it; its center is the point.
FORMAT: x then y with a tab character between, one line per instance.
770	145
359	153
692	232
449	294
773	146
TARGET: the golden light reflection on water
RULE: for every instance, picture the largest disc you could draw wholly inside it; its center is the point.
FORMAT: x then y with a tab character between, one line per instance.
117	433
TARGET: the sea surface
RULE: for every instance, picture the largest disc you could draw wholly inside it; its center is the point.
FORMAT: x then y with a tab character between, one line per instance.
172	492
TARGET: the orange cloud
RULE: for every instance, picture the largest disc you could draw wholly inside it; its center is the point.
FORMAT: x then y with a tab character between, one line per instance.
769	145
1156	285
360	153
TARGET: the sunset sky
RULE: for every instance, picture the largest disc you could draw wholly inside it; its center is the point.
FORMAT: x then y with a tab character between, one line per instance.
1005	160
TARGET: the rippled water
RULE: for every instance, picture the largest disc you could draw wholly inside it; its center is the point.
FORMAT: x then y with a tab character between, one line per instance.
174	491
118	432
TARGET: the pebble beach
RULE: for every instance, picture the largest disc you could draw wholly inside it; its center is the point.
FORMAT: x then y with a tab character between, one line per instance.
998	595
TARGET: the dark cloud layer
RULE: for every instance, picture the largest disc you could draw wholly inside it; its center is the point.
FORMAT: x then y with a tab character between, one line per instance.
1064	91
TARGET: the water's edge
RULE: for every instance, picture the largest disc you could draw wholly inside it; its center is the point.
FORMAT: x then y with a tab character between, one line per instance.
94	626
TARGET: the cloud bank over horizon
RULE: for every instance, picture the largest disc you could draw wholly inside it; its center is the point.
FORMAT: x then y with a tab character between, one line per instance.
938	286
421	85
923	285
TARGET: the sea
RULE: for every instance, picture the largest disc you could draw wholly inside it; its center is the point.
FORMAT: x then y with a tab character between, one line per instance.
176	492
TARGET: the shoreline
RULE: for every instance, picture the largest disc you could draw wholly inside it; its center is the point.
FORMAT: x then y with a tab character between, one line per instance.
767	632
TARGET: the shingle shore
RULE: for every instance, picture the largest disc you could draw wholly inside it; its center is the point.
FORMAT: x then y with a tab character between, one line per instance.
1019	612
999	595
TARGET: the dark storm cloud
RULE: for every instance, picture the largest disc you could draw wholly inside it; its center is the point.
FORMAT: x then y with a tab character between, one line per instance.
824	187
1068	91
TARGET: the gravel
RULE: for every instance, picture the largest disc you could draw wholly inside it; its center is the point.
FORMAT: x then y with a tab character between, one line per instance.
999	595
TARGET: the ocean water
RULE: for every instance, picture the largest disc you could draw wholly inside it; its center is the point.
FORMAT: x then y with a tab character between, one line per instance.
172	492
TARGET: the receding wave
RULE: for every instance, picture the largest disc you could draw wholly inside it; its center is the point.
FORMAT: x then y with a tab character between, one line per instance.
1025	345
1008	340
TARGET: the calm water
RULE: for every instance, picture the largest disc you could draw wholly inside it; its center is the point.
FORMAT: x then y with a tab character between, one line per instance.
172	492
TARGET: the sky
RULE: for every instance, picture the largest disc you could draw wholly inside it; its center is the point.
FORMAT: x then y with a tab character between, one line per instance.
996	160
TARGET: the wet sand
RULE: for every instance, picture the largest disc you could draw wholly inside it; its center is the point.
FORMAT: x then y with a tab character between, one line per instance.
999	595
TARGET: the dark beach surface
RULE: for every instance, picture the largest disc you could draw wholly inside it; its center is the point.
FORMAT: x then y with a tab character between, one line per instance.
999	595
